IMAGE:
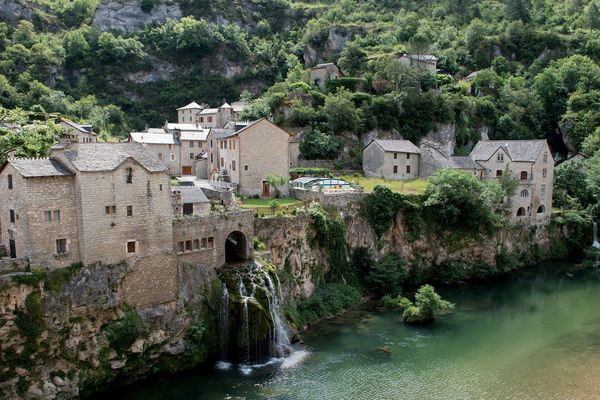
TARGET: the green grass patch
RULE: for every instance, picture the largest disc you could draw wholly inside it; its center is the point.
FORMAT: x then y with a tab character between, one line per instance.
266	203
415	186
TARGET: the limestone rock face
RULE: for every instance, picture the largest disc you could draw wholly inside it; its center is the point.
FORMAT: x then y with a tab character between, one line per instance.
127	16
335	43
11	11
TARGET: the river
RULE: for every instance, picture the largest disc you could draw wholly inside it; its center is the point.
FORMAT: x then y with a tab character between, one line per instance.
530	337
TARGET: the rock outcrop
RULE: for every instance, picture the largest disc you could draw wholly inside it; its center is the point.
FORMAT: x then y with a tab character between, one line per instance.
12	11
127	16
335	43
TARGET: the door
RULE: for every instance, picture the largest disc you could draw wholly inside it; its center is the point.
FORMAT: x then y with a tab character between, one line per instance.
186	170
266	189
12	248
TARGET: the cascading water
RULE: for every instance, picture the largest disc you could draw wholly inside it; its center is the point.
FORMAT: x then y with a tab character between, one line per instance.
596	244
280	342
245	321
224	323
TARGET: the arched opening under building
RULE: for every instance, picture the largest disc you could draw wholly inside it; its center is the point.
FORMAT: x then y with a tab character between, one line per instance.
521	212
541	209
236	247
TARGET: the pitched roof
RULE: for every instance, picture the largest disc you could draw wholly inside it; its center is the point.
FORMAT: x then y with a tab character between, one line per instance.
517	150
464	162
39	167
225	105
194	135
191	194
397	146
192	105
421	57
81	128
217	133
152	138
96	157
238	105
208	111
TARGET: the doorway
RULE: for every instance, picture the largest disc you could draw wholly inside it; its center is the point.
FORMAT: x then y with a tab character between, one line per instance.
12	248
266	189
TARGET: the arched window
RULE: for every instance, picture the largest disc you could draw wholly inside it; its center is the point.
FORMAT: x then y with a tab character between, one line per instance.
521	212
498	173
523	175
541	209
524	193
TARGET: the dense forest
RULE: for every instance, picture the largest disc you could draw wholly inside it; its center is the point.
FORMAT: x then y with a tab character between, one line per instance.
537	63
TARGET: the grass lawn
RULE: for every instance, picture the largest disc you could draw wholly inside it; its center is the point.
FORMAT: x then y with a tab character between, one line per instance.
260	203
415	186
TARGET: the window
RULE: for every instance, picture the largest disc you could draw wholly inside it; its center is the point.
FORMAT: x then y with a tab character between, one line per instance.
209	119
500	157
408	169
545	157
110	209
211	143
221	145
233	165
47	216
188	208
225	144
199	144
204	241
544	173
395	156
245	168
210	243
61	246
131	247
170	147
196	244
160	187
543	191
408	156
523	175
233	143
56	215
498	173
129	211
160	157
188	245
521	212
524	193
201	119
191	144
541	209
191	156
172	157
180	247
10	182
395	169
11	215
211	159
222	162
129	175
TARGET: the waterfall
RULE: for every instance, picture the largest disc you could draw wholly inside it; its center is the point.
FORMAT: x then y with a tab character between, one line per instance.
245	321
224	323
280	341
596	244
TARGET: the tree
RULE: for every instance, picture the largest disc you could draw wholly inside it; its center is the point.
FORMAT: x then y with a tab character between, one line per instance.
387	275
426	306
317	145
353	59
276	182
592	16
341	113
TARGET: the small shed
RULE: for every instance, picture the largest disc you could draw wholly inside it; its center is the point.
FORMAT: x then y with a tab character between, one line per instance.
189	200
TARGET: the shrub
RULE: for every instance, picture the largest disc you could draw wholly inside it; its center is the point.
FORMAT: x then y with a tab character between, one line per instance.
330	237
258	244
123	332
31	322
55	280
195	340
426	306
387	275
330	299
36	276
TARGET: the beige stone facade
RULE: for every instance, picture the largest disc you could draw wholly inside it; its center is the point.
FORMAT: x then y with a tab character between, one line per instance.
320	74
78	132
421	62
247	156
391	159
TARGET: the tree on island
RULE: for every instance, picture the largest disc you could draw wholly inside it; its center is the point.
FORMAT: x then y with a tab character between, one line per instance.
426	306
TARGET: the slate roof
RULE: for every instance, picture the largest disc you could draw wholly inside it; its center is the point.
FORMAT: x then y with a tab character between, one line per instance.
421	57
397	146
97	157
208	111
517	150
191	194
465	162
39	167
81	128
217	133
152	138
192	105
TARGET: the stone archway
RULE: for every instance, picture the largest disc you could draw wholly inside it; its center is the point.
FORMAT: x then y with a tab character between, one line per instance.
236	247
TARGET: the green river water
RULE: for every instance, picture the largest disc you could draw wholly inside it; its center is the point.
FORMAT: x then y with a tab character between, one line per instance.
531	337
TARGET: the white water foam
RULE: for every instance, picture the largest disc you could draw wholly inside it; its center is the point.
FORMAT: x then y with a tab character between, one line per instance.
294	359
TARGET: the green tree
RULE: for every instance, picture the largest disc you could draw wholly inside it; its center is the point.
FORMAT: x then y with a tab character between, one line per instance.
592	16
426	306
317	145
276	182
387	275
341	113
353	59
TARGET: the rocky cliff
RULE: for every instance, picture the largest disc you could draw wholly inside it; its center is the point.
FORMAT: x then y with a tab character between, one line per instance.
127	16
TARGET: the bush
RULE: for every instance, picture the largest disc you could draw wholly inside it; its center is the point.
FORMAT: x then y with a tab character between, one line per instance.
329	300
258	244
426	306
387	275
122	333
33	278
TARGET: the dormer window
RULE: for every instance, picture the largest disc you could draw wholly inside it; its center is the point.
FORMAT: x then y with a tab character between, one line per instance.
129	175
500	157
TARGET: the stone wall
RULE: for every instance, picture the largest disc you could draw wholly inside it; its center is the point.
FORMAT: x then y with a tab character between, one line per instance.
334	199
151	281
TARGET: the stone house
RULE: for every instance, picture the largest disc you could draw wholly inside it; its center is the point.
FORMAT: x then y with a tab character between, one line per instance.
320	74
531	162
181	147
94	202
78	132
187	114
391	159
246	156
433	158
189	200
424	62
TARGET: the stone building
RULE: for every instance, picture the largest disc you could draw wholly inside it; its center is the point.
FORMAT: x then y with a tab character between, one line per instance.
205	117
246	156
423	62
391	159
189	200
86	203
433	158
181	147
187	114
531	162
78	132
320	74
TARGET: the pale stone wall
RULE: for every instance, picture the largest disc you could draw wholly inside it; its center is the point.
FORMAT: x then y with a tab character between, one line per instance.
187	116
264	148
151	281
373	156
294	154
378	163
174	165
104	236
230	153
15	199
217	226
